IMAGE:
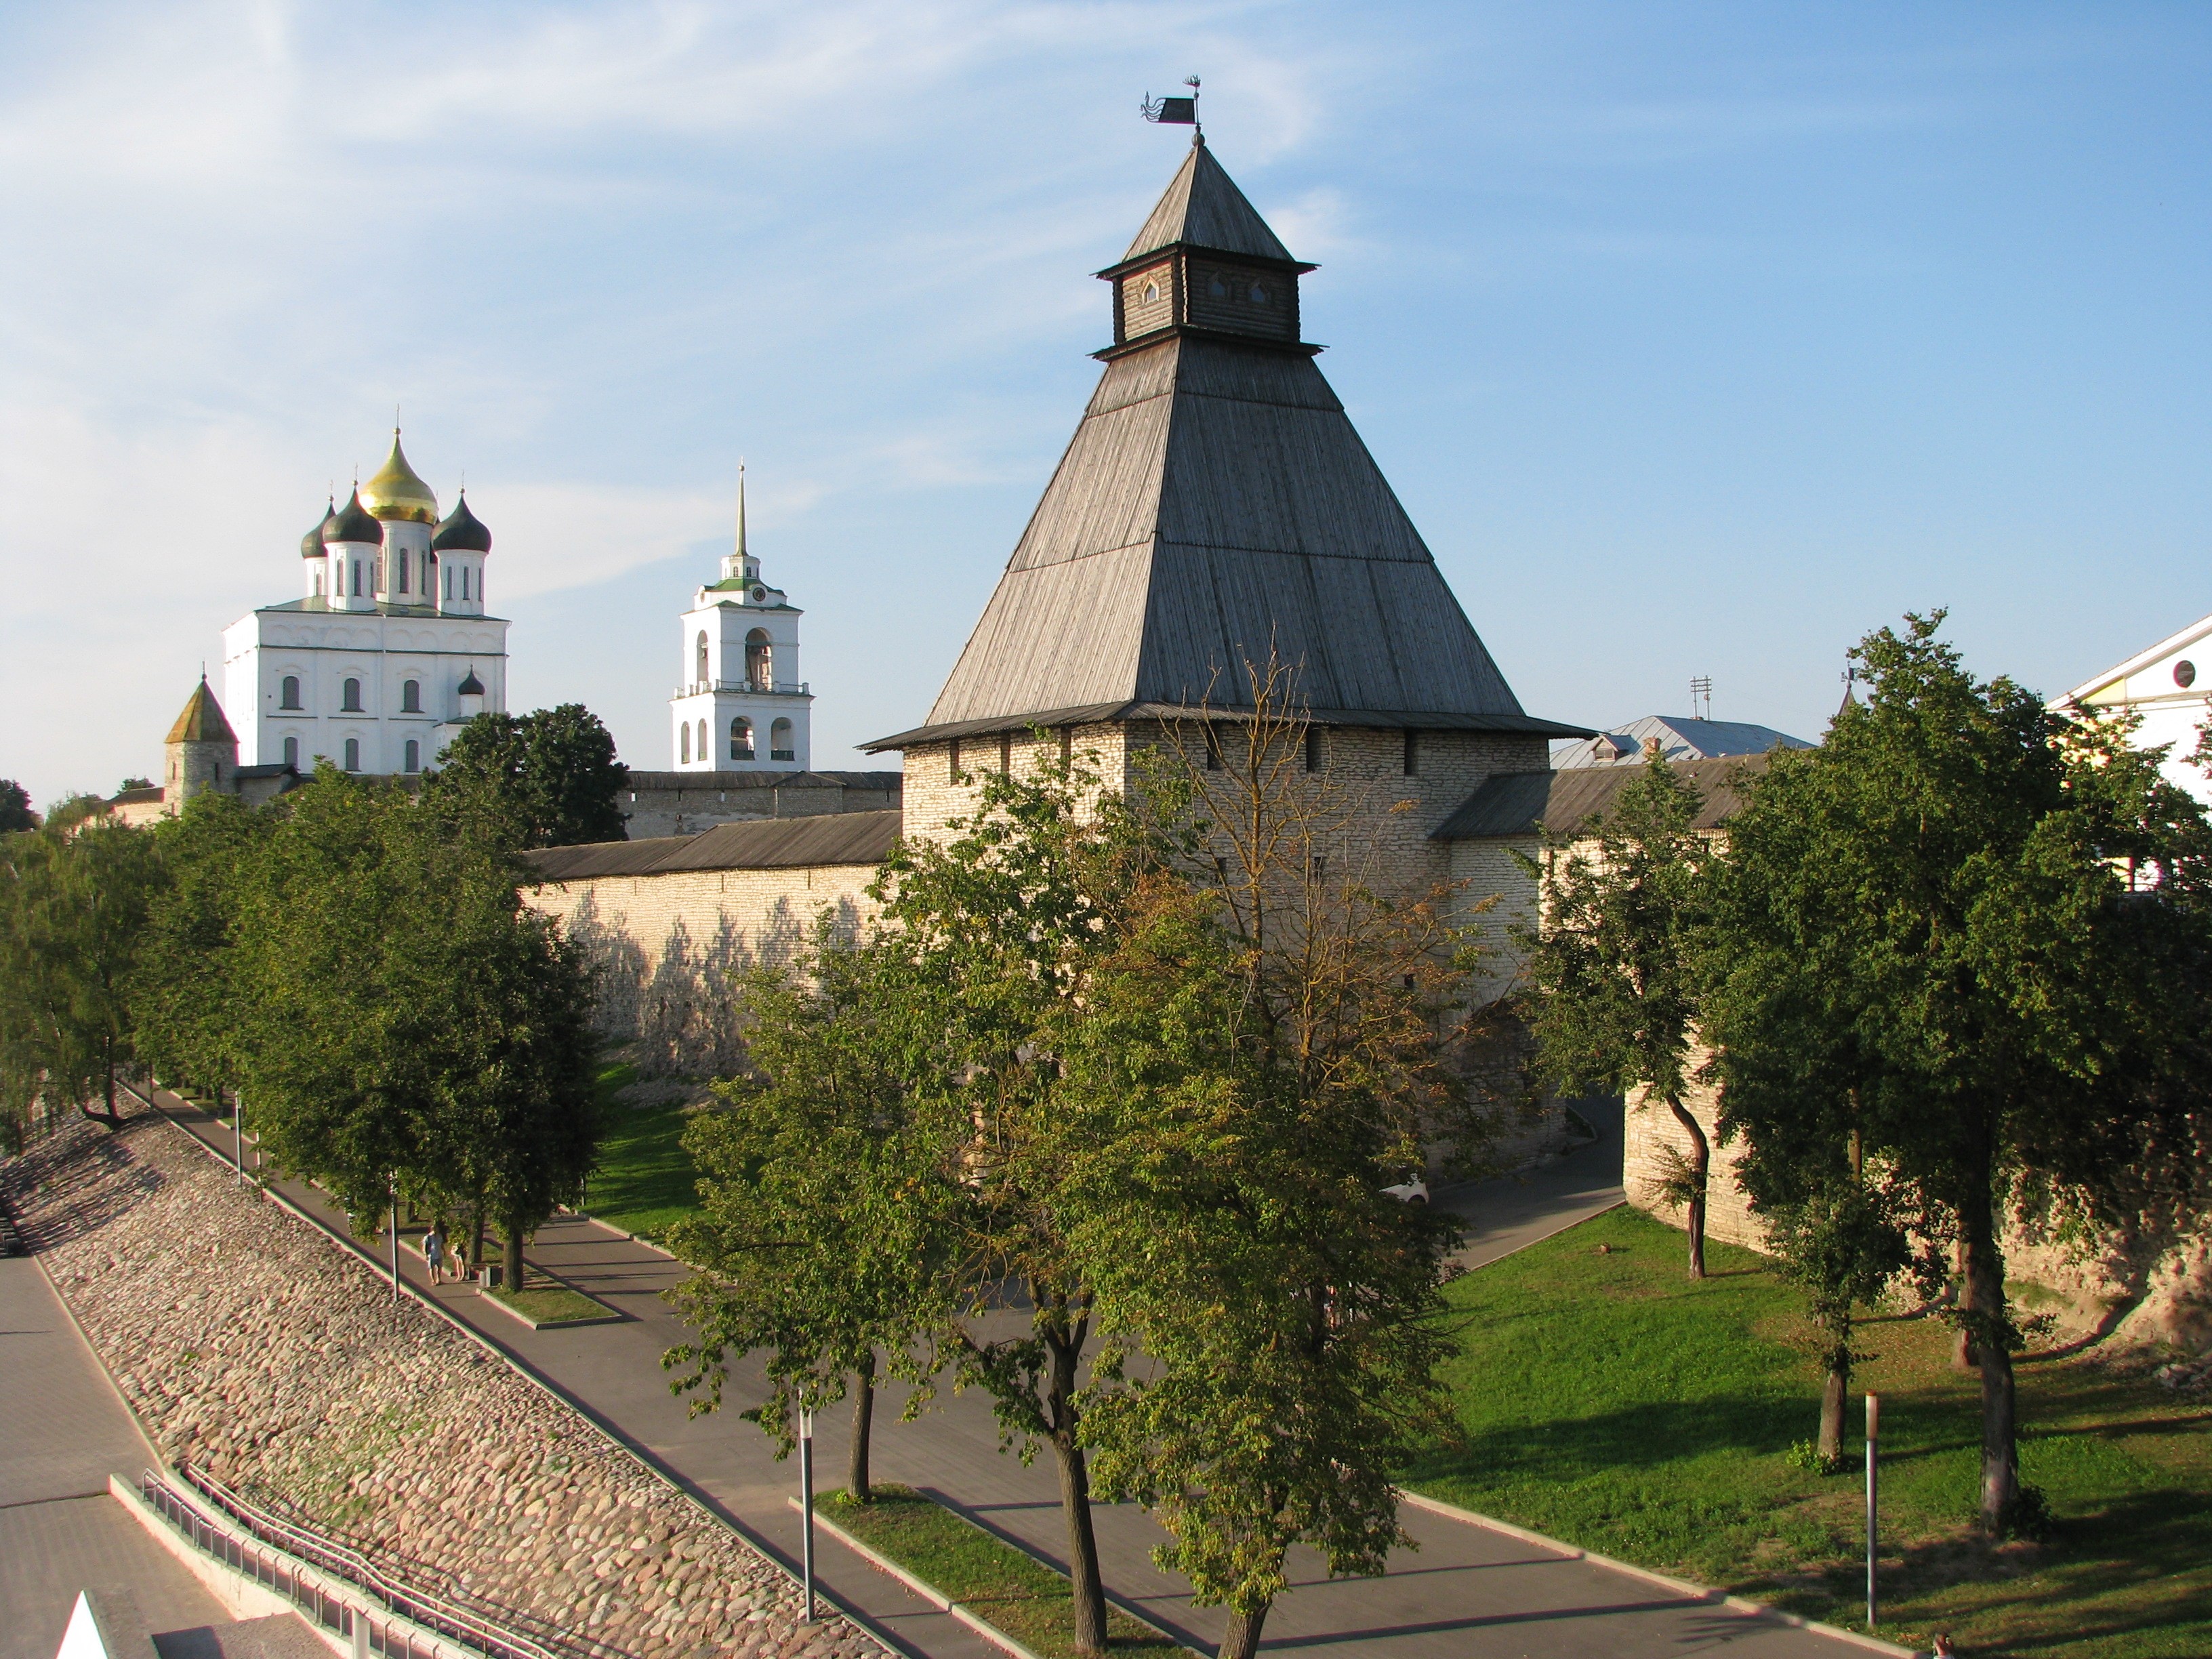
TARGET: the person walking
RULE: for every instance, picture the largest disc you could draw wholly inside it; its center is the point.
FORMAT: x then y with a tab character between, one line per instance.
434	1251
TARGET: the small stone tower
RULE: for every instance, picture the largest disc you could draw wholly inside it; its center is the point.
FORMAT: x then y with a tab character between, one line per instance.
202	751
740	705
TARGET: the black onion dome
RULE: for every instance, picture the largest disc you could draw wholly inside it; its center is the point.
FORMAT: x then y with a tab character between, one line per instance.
354	524
461	530
471	687
311	544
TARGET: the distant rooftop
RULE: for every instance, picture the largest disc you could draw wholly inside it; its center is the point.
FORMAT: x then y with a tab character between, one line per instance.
1679	738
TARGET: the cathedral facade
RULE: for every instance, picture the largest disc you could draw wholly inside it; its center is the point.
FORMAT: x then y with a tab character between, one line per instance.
390	647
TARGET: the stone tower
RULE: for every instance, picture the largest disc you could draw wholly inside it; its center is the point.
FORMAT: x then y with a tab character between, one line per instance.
1214	510
739	705
202	750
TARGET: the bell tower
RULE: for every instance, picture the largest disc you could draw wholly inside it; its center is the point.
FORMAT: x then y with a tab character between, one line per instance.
739	705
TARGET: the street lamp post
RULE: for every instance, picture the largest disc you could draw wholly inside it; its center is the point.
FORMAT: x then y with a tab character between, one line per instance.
806	1507
1873	1480
395	1239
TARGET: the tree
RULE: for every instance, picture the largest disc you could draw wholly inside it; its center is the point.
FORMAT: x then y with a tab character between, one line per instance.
188	998
1614	961
545	778
71	909
403	1019
822	1236
1928	922
1283	1032
16	812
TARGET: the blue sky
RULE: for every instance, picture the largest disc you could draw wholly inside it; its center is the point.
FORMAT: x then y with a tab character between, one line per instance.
1697	338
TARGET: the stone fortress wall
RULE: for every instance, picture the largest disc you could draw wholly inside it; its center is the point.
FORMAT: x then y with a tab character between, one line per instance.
684	803
250	1344
2151	1289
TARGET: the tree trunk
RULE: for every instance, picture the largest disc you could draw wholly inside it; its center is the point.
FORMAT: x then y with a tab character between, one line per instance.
512	1225
1242	1639
1701	1163
864	1416
1832	1396
1963	1356
1985	1307
1087	1593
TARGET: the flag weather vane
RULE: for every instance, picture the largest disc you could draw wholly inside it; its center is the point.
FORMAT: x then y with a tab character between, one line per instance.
1177	112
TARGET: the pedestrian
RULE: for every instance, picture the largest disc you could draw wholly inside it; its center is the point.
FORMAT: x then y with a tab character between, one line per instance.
434	1250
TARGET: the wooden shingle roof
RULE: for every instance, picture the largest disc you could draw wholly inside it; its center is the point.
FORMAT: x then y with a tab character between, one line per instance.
1203	208
1517	806
770	844
1216	507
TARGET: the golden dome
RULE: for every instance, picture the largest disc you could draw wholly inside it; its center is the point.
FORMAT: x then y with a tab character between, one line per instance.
395	493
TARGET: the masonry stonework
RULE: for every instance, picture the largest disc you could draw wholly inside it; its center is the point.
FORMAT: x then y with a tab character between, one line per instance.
251	1345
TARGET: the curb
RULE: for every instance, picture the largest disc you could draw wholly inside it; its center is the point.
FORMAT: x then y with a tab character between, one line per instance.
1681	1587
921	1586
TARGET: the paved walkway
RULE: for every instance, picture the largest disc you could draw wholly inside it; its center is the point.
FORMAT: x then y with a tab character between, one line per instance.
1468	1593
63	1432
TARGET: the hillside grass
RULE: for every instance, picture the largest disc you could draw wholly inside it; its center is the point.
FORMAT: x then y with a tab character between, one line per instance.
645	1181
1610	1400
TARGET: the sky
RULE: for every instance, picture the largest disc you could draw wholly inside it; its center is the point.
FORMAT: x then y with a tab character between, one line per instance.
1698	339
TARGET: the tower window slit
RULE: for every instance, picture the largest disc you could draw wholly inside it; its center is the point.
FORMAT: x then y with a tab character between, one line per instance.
1213	761
1413	765
1005	754
1313	749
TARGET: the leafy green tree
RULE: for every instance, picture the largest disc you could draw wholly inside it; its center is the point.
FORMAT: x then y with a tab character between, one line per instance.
404	1019
545	778
72	907
1841	1244
1616	968
188	998
824	1235
1927	932
16	812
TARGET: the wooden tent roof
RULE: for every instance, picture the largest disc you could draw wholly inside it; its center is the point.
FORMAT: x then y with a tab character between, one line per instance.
1203	208
1215	506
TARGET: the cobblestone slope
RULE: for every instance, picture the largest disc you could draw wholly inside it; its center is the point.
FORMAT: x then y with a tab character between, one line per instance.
251	1346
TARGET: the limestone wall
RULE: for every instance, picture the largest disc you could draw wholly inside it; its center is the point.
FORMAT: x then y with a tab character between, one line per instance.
2152	1287
684	803
666	949
252	1346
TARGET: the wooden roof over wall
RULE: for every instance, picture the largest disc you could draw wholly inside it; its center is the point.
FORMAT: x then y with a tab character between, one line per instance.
826	838
1518	806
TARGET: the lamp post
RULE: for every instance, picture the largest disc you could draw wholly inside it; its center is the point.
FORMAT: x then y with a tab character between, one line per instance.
395	1240
807	1508
238	1132
1873	1481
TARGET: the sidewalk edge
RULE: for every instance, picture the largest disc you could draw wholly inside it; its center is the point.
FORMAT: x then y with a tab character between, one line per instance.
1682	1586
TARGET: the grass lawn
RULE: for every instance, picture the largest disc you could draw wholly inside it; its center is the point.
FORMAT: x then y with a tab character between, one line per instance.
991	1578
551	1303
645	1182
1608	1401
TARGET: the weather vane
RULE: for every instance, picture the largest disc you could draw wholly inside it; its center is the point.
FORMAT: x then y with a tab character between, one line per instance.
1176	111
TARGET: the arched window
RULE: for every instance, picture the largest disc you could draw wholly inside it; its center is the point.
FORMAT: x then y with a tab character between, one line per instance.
292	752
703	750
404	562
379	583
353	754
699	661
318	582
741	738
410	699
355	563
287	694
760	661
414	752
684	744
449	582
778	742
464	582
350	701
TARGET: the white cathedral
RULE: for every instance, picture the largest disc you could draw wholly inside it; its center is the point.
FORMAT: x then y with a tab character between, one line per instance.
740	705
388	649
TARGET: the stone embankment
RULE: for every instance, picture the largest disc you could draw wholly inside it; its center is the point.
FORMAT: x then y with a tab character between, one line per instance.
252	1346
